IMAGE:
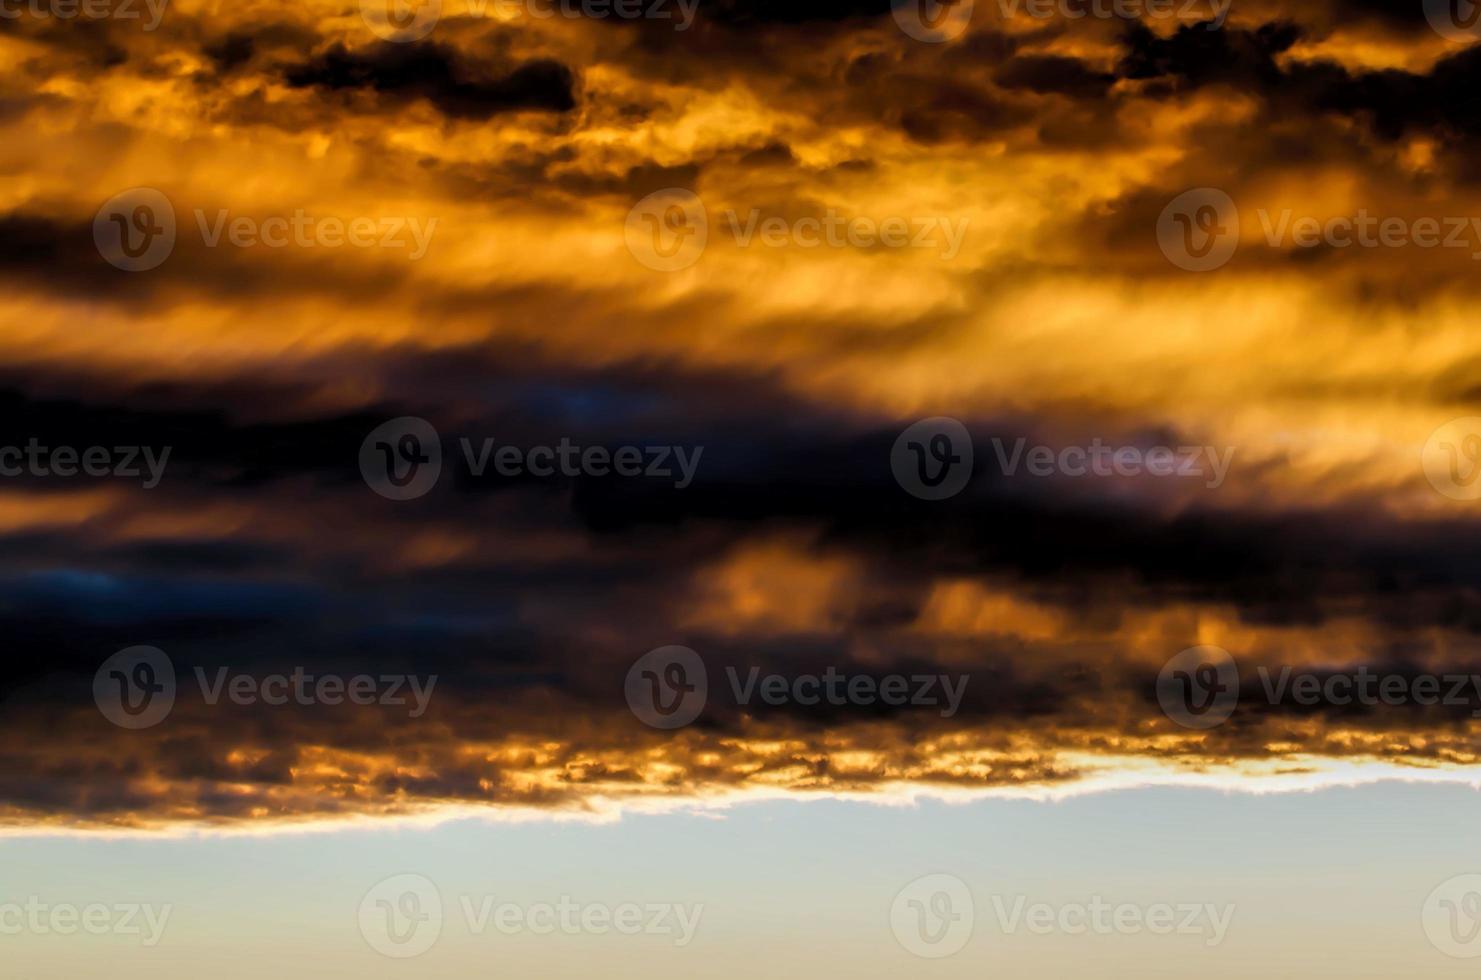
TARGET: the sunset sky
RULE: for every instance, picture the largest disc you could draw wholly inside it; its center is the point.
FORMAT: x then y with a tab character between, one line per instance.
753	242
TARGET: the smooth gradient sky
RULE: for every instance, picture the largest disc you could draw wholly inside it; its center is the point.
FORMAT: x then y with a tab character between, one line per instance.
1326	884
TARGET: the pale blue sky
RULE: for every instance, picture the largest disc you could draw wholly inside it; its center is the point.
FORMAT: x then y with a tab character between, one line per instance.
1324	884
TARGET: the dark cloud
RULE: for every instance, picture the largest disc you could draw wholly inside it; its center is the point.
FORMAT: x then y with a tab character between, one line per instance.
437	73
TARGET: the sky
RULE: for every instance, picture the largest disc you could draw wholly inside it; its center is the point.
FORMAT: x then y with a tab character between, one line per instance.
1330	884
738	450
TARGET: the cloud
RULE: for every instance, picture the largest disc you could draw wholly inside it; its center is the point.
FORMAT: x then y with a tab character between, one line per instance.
436	73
